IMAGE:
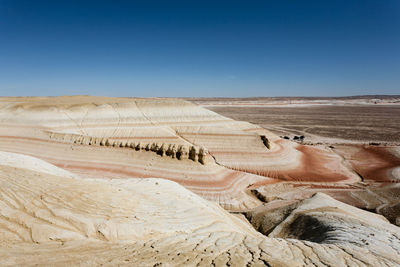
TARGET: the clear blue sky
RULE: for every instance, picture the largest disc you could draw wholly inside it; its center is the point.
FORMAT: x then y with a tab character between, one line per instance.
200	48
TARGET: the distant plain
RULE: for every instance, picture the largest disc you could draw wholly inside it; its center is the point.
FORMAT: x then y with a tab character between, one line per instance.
354	120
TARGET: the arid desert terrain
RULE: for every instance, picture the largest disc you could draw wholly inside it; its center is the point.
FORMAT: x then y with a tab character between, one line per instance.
94	181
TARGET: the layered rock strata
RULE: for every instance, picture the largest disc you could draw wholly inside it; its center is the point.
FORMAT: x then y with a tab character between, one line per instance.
233	163
198	154
50	216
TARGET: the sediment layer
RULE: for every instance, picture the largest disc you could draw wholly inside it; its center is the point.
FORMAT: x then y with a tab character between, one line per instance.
129	137
50	216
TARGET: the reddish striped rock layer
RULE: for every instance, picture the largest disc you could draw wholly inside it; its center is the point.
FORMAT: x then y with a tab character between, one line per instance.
214	156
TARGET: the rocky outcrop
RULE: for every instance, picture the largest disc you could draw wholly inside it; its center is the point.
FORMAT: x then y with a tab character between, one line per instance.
324	220
180	152
53	217
265	141
168	138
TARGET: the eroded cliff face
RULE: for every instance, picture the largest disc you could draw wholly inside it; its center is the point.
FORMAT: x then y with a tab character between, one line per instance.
129	179
52	217
209	154
179	152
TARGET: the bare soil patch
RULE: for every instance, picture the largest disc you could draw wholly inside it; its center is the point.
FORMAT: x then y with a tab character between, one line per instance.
364	123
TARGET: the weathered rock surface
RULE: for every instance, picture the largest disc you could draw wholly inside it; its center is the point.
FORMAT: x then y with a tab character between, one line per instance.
103	181
213	156
52	217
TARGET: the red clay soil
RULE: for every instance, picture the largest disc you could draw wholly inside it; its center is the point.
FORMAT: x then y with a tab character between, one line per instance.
313	168
316	166
372	163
